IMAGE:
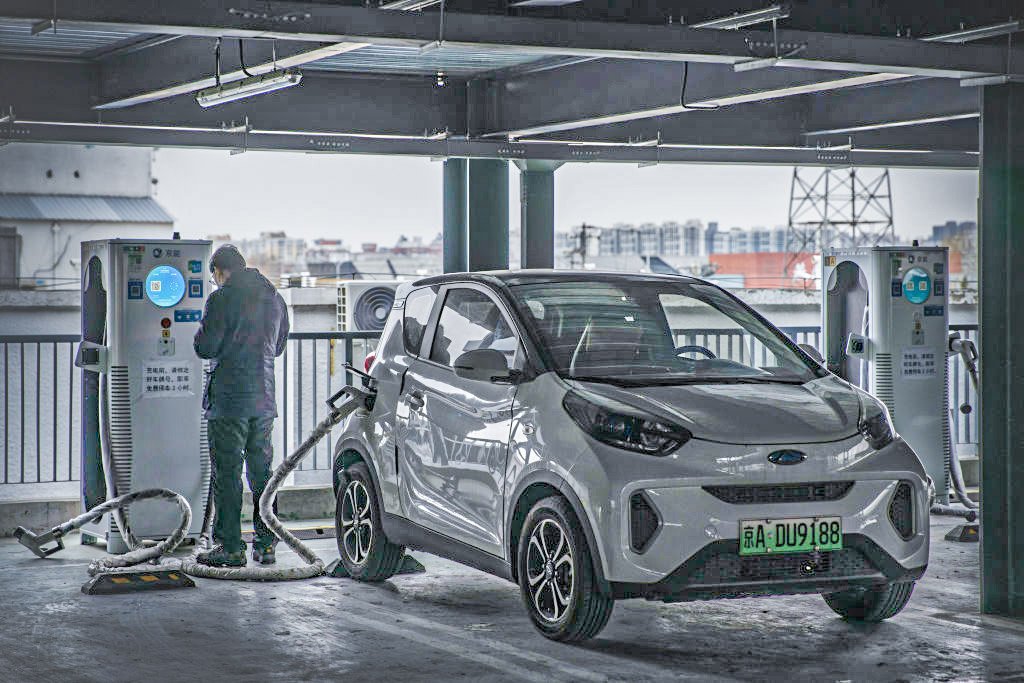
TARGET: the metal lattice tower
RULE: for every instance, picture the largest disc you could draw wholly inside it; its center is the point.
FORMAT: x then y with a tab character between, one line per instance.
838	208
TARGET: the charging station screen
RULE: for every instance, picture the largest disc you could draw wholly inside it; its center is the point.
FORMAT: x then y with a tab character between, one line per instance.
165	286
917	285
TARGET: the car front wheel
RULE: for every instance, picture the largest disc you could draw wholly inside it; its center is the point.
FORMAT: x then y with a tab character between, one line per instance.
365	551
556	574
871	604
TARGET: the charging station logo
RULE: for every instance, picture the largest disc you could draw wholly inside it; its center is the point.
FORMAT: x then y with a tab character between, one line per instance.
158	252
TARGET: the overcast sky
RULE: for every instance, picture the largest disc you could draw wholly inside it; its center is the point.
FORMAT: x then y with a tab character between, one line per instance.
376	199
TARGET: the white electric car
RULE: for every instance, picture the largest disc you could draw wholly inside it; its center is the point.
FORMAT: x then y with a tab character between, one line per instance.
598	436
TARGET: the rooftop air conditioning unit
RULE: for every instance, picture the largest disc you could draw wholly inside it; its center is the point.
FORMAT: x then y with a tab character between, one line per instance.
364	305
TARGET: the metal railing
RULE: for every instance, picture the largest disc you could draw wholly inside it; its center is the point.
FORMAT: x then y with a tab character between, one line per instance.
41	400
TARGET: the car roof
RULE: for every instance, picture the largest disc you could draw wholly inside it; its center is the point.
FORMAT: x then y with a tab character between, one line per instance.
512	278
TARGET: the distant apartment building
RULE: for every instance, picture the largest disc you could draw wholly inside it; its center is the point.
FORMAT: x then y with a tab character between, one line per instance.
667	239
953	231
274	252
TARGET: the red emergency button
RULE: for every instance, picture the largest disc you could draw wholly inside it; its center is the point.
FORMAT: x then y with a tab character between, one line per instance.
165	323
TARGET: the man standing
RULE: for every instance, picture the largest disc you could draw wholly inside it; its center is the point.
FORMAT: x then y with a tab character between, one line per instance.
245	326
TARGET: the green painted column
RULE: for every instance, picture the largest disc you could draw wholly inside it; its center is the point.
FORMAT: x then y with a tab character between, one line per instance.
1001	316
537	206
454	231
488	214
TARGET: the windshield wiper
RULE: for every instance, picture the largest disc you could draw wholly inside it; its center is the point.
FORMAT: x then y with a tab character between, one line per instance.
615	381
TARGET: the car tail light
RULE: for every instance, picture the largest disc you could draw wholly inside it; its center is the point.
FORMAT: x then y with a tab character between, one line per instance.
901	510
370	357
643	522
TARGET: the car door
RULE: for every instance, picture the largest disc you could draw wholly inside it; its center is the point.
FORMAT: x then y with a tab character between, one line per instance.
455	486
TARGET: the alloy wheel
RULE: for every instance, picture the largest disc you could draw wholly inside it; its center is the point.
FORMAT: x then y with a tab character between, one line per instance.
356	523
550	570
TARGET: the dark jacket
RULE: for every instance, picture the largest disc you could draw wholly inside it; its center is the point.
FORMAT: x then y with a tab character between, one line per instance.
245	326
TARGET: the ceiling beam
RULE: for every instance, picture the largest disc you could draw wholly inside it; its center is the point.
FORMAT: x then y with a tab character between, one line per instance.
897	105
260	140
335	24
618	91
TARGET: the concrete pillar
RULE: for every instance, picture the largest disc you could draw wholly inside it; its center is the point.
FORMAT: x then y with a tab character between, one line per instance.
1001	405
537	206
454	235
488	214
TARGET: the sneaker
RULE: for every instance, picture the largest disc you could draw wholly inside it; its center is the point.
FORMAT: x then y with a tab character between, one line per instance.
219	557
263	553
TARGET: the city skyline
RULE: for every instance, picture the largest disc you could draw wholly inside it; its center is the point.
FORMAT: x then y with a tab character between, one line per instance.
377	199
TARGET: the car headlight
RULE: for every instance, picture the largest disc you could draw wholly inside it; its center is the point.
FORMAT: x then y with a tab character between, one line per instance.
624	427
875	424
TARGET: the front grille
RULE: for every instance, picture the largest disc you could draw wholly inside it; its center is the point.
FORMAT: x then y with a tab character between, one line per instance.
811	492
901	510
729	567
643	522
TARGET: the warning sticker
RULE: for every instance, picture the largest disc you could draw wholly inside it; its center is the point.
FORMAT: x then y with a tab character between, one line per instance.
919	363
166	378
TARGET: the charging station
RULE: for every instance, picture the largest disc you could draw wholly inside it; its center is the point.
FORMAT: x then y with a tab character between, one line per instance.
885	323
142	383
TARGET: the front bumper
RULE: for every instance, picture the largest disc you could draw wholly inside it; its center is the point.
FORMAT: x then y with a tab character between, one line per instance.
694	552
718	571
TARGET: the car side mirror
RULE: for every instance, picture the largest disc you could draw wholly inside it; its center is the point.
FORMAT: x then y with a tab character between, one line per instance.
484	365
812	352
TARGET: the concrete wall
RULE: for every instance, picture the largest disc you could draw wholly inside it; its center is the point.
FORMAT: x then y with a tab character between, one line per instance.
103	170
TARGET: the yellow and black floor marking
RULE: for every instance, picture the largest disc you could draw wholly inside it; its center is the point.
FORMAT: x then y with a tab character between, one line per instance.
136	581
964	533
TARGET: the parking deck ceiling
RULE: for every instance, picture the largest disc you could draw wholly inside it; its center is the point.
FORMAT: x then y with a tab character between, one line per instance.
583	82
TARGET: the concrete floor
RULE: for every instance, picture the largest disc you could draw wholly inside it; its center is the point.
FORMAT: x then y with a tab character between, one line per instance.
457	623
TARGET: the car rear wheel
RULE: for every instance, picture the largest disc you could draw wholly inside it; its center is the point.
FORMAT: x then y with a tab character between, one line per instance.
871	604
365	551
556	574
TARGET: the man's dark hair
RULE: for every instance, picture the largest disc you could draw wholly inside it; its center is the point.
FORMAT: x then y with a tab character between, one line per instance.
227	257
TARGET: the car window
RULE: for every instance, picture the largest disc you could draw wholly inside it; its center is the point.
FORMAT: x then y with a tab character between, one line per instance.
418	305
471	320
655	332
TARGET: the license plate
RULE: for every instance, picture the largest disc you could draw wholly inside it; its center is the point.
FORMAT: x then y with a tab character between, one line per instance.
796	535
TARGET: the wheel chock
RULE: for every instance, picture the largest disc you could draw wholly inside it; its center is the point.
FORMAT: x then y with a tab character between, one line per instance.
137	581
964	533
410	565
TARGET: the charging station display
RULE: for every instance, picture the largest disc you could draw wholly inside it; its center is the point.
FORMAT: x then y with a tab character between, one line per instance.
165	286
917	285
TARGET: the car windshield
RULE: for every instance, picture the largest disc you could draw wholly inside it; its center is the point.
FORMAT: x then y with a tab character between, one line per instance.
650	332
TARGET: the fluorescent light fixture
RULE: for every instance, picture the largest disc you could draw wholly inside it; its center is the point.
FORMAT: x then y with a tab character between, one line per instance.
758	16
288	62
999	79
979	33
755	64
248	87
542	3
409	5
43	25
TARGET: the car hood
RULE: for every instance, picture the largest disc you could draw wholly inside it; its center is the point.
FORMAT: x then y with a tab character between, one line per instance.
822	410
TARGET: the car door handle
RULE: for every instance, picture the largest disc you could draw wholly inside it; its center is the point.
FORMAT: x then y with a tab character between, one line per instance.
415	400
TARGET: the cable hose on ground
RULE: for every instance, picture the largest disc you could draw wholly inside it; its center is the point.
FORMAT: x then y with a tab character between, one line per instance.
143	552
314	565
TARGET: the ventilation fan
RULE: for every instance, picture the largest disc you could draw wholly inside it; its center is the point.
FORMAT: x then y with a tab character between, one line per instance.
364	305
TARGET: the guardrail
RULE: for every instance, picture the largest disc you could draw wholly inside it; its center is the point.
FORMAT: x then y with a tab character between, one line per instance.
41	396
